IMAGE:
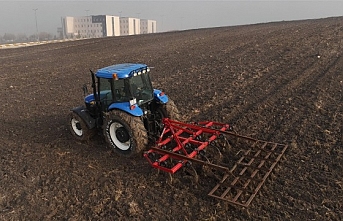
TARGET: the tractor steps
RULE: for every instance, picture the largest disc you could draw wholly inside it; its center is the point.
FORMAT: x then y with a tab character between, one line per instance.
244	163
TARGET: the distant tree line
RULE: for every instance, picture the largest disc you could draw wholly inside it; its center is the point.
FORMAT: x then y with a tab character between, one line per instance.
18	38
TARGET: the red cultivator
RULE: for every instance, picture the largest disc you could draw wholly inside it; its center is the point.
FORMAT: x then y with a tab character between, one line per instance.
240	170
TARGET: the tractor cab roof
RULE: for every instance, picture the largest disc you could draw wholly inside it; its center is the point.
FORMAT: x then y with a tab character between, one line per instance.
121	71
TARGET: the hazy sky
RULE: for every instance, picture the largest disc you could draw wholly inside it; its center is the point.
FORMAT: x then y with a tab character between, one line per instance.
19	17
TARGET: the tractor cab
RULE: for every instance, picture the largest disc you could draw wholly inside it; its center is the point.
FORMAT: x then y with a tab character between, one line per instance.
123	86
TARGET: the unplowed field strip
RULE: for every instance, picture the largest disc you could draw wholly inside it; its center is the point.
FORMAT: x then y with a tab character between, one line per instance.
261	86
301	129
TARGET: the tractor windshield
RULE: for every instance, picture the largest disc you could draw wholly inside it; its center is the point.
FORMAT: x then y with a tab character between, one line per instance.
141	88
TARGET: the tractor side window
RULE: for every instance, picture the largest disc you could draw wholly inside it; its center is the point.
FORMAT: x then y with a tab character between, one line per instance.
105	84
147	81
105	91
121	90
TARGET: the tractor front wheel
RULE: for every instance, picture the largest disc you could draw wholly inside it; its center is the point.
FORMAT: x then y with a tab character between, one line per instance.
124	133
170	110
78	127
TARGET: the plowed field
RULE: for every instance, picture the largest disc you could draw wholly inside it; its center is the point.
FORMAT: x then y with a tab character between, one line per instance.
279	81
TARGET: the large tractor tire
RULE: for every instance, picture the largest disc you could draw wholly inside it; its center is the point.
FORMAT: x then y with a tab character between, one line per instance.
171	111
125	133
78	127
168	110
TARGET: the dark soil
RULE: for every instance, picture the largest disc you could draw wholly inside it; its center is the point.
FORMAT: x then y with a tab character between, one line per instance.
280	81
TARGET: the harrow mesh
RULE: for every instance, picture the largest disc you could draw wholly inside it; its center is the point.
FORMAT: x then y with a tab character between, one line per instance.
248	174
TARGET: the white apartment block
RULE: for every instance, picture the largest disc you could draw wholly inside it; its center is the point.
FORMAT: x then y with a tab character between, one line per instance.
129	26
91	26
148	26
97	26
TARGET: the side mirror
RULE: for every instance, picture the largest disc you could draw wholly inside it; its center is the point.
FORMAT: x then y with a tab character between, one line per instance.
85	90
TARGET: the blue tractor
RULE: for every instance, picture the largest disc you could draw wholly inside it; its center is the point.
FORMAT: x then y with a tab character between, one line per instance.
131	113
124	106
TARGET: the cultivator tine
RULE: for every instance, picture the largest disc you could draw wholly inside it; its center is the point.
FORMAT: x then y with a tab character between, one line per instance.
242	173
192	171
217	148
226	141
183	159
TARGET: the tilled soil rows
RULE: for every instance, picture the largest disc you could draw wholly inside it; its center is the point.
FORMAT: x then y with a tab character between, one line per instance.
280	82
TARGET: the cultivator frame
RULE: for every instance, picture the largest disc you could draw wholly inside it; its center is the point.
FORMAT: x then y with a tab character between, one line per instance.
239	177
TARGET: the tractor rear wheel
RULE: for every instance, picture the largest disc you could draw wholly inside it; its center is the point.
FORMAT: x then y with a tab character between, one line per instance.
125	133
78	127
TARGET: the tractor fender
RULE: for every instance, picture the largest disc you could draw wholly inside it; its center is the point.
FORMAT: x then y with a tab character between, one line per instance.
125	106
161	97
84	114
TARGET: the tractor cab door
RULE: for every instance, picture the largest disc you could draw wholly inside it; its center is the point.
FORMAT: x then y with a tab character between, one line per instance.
105	92
113	91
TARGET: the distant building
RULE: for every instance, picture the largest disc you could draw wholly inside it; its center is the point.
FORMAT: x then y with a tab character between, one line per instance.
91	26
130	26
97	26
148	26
